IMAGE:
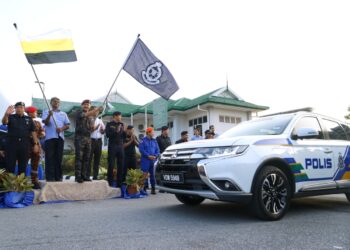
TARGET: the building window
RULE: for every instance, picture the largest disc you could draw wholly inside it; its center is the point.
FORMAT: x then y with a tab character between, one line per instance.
170	124
197	121
230	119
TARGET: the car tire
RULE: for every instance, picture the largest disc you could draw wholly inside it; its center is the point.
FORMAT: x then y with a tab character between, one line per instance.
271	194
347	196
189	200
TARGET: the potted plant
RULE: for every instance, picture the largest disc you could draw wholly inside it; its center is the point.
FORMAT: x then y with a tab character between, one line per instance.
134	181
17	190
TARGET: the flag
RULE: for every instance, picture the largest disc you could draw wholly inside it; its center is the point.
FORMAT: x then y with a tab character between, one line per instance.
52	47
148	70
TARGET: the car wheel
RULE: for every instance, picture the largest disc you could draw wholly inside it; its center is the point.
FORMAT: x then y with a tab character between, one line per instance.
189	199
271	194
347	196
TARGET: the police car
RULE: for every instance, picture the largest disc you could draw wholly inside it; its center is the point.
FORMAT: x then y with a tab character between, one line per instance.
264	162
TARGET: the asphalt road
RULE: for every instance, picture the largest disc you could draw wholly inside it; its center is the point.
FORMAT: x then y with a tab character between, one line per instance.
161	222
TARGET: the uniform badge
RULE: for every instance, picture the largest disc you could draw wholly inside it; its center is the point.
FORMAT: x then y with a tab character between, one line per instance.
152	74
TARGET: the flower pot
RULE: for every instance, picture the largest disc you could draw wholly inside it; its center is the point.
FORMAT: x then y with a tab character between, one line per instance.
132	189
18	199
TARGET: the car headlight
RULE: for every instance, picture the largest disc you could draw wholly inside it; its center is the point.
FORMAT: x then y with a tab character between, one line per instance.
221	151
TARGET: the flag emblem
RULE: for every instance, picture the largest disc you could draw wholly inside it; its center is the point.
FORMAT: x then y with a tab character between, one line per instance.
152	74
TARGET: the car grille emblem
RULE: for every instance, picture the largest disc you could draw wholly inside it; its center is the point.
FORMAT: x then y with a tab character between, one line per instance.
174	155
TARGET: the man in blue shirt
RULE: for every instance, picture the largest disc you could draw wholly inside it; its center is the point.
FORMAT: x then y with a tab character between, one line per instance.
56	122
149	152
196	135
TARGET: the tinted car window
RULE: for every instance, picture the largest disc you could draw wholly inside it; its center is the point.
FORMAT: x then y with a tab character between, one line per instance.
334	130
309	122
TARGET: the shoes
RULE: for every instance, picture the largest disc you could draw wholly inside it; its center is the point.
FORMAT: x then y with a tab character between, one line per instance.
36	185
79	180
153	191
87	179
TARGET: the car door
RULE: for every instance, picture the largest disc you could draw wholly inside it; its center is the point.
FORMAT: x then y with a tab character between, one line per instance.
314	156
336	135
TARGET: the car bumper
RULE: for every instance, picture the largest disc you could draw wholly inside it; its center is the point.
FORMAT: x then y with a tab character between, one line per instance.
240	197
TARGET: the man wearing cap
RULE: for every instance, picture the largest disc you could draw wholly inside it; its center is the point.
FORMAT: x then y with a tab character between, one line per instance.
116	134
84	125
35	156
96	147
163	140
20	135
56	122
149	152
130	142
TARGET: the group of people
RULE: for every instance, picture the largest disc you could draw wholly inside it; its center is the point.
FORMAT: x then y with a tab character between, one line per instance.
27	136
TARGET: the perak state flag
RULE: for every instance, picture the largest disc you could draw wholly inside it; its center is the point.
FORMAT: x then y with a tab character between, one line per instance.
148	70
52	47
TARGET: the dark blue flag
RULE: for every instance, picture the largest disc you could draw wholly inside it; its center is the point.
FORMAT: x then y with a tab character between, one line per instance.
148	70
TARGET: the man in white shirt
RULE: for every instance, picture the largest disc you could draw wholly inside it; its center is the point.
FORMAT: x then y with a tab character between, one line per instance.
96	147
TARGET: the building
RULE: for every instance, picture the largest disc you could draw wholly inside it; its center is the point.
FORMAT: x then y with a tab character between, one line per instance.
222	108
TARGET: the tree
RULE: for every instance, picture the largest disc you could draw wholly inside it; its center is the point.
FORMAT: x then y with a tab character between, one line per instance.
348	115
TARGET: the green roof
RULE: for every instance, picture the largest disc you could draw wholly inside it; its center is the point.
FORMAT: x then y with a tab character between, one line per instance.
181	104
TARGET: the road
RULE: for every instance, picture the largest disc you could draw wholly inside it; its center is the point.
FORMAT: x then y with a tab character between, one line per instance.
161	222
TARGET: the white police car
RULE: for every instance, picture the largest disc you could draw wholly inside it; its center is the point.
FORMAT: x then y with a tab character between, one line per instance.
264	162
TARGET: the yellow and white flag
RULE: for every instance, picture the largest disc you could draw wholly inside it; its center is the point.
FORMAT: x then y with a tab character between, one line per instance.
52	47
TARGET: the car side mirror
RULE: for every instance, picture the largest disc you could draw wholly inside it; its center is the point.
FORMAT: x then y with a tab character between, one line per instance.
305	133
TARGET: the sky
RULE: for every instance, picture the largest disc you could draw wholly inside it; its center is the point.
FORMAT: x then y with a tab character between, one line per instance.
282	54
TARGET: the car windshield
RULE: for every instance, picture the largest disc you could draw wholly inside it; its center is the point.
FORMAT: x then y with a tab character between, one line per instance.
273	125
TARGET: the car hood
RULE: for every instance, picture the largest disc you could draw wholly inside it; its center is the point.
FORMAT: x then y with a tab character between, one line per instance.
241	140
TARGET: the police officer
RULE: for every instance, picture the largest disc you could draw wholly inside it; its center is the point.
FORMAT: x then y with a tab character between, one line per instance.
116	134
20	135
84	125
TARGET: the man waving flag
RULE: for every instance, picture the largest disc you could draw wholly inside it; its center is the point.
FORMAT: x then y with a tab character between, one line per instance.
52	47
148	70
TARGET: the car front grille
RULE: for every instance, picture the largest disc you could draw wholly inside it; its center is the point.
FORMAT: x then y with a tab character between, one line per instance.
175	162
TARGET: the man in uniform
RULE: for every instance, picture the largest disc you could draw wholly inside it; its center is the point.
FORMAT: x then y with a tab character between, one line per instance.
3	135
129	148
35	156
20	135
56	122
115	133
84	125
164	140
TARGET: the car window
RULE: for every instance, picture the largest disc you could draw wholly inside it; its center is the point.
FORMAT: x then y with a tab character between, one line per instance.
334	130
263	126
347	130
309	122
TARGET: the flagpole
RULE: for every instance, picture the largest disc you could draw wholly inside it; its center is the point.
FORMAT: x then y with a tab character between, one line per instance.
127	58
42	91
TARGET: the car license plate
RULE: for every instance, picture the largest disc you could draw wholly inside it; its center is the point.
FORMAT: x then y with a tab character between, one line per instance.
173	177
